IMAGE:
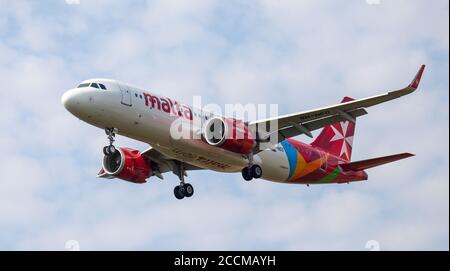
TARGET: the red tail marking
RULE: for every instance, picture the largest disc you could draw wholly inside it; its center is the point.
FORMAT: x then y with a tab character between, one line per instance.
337	139
415	82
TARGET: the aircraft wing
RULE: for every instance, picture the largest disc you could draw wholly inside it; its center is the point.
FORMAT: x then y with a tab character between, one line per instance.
307	121
164	163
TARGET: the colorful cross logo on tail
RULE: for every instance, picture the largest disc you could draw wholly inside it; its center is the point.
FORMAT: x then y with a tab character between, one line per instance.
346	136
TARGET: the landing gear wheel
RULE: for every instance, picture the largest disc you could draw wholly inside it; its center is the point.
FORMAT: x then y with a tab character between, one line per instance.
179	192
188	190
256	171
111	149
246	174
184	189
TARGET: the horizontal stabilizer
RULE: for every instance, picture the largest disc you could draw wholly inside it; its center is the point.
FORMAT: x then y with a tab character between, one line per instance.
374	162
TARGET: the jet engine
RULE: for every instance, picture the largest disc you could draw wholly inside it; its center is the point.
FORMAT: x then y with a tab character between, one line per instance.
229	134
127	164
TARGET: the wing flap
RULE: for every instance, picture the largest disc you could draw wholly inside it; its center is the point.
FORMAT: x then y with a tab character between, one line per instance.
165	163
342	110
291	131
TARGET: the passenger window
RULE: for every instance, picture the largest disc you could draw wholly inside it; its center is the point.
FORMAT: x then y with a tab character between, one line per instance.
94	85
102	86
83	85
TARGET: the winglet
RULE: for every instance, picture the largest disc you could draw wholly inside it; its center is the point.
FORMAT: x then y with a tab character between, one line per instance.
415	82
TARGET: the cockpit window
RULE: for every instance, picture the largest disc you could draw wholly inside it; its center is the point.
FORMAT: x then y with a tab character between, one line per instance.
94	85
102	86
83	85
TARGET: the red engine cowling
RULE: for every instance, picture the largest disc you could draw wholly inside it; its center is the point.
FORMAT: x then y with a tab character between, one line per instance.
127	164
229	134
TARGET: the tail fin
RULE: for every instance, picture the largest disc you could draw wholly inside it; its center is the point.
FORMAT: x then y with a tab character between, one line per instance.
374	162
337	138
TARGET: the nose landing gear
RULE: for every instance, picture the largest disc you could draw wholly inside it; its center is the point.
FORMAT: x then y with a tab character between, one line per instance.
110	149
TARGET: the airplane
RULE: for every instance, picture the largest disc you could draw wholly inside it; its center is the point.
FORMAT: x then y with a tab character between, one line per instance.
257	149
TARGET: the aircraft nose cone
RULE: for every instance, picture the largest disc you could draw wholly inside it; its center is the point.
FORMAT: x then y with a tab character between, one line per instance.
70	100
65	98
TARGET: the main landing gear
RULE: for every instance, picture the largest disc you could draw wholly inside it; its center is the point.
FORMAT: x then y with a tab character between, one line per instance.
253	171
184	189
110	149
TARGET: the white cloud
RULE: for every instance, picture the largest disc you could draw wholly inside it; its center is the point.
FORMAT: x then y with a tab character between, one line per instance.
298	54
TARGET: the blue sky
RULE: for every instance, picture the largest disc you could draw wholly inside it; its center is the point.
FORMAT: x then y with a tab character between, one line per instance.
298	54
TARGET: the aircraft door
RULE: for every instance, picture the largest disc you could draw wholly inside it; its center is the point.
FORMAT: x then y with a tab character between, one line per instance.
126	95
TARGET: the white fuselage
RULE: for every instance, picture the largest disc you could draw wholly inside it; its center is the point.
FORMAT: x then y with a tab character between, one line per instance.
131	111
